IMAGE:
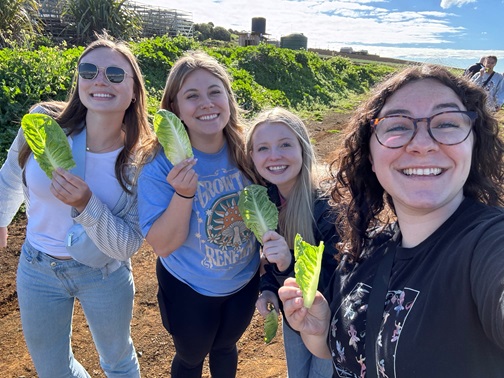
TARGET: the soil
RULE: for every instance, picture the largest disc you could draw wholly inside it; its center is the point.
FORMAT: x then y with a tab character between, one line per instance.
154	345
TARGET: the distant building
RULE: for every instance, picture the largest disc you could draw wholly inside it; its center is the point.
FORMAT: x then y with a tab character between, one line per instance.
256	36
349	50
294	42
250	39
274	42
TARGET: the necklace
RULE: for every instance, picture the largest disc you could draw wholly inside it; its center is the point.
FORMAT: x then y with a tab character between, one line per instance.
106	148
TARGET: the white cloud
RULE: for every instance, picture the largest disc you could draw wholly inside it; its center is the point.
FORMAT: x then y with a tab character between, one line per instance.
445	4
362	24
448	57
327	22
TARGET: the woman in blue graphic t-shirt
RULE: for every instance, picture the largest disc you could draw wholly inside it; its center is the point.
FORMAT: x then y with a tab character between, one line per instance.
208	261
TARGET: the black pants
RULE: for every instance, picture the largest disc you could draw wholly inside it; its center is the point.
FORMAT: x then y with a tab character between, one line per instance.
202	325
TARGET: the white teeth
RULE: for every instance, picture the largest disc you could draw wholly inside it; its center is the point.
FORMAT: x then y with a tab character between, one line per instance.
208	117
103	95
422	171
277	168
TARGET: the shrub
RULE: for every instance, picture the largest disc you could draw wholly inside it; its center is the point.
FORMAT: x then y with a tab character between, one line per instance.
28	77
263	76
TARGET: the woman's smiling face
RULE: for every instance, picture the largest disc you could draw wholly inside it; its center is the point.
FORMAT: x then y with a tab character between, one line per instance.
277	155
203	105
99	94
423	175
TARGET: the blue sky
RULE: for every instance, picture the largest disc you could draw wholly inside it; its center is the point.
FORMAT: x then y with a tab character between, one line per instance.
449	32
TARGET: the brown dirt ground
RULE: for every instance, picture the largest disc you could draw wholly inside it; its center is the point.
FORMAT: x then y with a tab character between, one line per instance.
153	343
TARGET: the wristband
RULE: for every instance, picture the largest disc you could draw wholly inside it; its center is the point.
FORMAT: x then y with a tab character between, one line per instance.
186	197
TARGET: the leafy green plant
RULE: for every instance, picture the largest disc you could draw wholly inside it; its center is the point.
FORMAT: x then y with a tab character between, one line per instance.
263	76
173	136
28	77
48	142
307	268
19	22
157	55
258	212
89	16
270	326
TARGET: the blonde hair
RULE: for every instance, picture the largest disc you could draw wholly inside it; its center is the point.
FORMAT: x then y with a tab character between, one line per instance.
296	215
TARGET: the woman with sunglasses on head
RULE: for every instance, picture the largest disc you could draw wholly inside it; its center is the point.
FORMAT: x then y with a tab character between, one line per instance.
208	262
107	111
425	297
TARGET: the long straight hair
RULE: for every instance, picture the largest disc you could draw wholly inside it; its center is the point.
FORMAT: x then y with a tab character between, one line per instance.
234	131
72	113
296	215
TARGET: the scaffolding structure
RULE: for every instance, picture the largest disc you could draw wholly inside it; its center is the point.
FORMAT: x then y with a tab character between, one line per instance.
51	15
156	21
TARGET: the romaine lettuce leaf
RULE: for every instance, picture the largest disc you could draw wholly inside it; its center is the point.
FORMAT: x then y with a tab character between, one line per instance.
173	136
270	326
48	142
258	212
307	267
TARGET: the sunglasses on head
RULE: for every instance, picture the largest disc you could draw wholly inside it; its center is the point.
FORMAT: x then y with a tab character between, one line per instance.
89	71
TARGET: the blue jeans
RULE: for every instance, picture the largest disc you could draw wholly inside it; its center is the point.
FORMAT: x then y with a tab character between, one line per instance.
300	362
47	289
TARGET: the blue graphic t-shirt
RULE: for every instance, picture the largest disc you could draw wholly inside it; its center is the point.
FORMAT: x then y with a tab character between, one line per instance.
220	255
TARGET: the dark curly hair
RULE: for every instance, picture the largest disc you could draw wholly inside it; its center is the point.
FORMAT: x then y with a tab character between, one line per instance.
369	206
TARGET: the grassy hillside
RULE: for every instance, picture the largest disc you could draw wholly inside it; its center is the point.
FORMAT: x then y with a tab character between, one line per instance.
263	76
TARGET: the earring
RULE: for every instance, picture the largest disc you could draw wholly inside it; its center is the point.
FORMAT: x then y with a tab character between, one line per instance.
133	100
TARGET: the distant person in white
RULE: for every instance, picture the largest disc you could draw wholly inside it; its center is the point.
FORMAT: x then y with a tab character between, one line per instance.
492	82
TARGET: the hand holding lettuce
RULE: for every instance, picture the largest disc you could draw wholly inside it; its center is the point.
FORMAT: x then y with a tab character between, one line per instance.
258	212
48	142
173	136
307	268
260	215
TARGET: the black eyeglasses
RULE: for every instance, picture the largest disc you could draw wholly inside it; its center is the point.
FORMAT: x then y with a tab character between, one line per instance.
89	71
448	128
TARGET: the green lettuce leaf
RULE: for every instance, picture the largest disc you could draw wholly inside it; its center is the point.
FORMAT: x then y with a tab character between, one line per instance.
48	142
173	136
258	212
307	268
270	326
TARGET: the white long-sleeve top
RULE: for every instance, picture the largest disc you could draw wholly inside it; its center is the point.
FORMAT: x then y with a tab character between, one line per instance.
495	88
116	232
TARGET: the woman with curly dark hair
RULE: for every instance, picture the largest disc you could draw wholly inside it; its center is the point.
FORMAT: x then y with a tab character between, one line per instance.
421	169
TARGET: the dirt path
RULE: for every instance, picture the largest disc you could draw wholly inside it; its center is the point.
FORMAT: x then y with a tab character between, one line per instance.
154	345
